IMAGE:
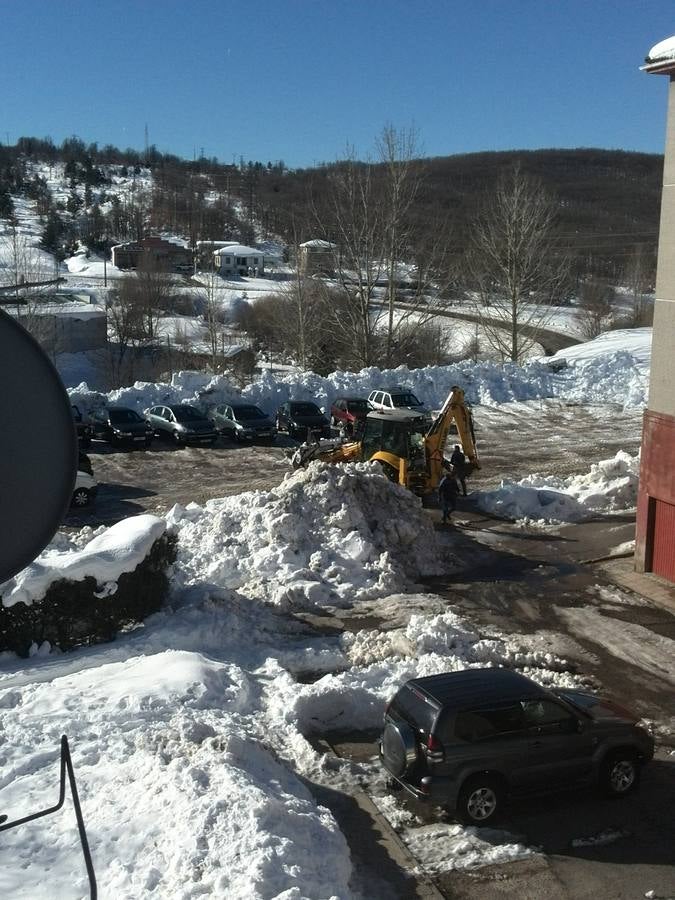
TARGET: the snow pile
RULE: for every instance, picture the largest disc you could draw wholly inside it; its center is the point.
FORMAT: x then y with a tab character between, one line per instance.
428	645
610	486
328	535
177	797
613	368
444	847
189	744
115	551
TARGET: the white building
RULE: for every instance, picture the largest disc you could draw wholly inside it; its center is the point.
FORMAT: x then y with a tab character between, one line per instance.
236	259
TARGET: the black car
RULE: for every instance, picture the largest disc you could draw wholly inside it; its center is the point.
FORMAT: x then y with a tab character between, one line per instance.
83	428
467	740
243	422
302	420
119	425
182	423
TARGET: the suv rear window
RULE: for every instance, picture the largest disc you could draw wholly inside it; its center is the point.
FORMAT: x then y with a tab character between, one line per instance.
415	707
477	724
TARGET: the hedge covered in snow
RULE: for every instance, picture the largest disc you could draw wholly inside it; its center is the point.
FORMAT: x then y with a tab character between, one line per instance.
72	596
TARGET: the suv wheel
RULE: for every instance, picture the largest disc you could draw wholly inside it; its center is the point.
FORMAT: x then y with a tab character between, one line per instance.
480	801
81	497
620	773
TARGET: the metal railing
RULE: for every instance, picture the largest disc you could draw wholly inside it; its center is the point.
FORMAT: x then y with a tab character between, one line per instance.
66	767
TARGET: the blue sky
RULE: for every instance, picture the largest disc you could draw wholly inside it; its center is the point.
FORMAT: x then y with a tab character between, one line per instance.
299	80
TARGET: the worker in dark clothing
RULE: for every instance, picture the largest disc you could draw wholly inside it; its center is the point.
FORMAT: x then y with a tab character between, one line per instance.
458	462
447	494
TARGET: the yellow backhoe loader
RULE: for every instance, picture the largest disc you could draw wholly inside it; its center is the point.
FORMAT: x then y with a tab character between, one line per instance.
401	440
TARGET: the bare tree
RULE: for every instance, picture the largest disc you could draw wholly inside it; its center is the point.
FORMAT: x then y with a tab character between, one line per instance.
149	292
352	217
213	316
595	307
639	277
397	151
388	282
513	266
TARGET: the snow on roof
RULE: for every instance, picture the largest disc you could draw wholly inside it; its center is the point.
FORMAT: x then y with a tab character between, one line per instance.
661	55
215	244
238	250
77	310
317	244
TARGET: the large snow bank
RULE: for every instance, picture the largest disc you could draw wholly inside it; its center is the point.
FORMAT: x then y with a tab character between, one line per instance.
612	369
610	486
326	535
117	550
179	801
189	734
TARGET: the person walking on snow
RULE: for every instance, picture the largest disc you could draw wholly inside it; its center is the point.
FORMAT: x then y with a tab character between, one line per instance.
458	462
447	494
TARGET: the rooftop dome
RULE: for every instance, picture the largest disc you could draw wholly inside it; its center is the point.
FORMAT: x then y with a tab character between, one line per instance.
661	57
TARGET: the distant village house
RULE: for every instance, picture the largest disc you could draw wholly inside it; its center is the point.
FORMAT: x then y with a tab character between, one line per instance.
317	257
236	259
154	252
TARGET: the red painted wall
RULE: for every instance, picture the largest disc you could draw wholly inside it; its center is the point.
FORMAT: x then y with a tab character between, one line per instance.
655	527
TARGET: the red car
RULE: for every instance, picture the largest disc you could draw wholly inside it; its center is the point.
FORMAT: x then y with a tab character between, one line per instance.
349	410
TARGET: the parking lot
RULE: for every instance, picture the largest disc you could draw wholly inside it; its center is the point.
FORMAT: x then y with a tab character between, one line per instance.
513	440
521	582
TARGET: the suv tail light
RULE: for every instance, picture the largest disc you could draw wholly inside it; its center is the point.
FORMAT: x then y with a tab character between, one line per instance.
434	749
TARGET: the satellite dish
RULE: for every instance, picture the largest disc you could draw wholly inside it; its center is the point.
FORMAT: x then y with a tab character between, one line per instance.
38	448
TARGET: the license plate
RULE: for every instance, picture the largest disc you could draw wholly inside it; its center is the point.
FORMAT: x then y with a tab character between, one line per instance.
139	438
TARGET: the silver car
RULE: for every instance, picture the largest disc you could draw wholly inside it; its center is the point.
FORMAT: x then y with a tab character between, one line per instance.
243	422
181	423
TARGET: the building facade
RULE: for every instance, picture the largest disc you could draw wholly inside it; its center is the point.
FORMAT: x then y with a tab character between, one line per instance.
655	531
317	257
153	251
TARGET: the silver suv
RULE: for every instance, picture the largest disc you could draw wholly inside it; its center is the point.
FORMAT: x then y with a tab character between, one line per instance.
467	740
397	398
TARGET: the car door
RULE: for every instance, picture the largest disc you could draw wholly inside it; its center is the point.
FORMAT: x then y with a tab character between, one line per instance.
227	421
99	424
560	745
282	416
162	420
152	417
492	737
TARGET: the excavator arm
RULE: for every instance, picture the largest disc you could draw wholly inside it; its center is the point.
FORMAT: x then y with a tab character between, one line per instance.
453	410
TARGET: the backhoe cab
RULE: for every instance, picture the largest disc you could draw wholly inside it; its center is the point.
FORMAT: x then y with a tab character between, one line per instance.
401	440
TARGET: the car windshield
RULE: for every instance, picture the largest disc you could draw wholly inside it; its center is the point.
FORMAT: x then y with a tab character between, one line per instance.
186	413
408	399
121	416
248	412
305	409
357	406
